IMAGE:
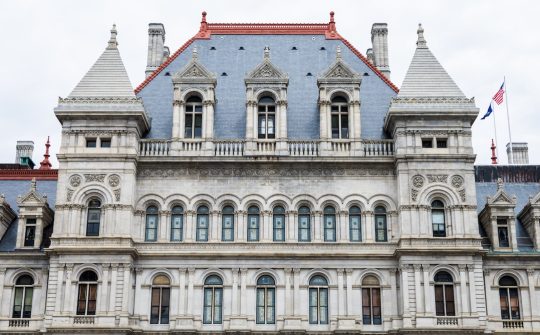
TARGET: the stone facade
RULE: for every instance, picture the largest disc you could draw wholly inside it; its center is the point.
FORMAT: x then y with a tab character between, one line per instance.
345	233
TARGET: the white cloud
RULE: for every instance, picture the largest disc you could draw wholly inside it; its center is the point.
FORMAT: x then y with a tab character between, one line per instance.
49	45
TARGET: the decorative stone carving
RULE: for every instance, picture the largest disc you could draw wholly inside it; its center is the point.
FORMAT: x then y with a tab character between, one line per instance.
414	194
418	181
457	181
75	180
69	194
98	177
462	195
117	194
437	178
114	180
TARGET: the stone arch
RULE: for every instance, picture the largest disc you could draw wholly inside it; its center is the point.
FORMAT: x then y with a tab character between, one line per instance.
150	199
83	195
509	272
382	200
445	267
267	92
340	92
371	272
438	190
269	272
279	200
149	278
192	91
175	200
356	200
304	199
228	200
319	271
202	199
21	272
253	199
330	200
79	269
227	278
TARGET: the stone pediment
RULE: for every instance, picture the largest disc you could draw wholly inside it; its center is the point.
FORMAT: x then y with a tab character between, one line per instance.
266	70
501	198
32	198
340	70
194	72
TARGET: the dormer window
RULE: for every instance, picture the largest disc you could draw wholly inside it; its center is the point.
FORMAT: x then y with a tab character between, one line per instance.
194	116
30	233
266	118
340	117
502	233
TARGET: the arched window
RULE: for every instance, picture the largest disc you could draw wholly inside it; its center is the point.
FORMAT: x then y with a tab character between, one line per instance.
266	300
86	300
253	223
194	117
355	227
371	301
177	224
380	224
151	224
24	291
437	219
213	300
509	298
318	300
279	224
329	224
161	299
227	222
304	224
340	117
202	223
93	217
444	294
266	118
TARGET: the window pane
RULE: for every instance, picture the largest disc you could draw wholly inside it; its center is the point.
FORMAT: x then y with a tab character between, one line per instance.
503	237
514	303
335	126
344	126
189	126
29	236
17	303
198	126
439	300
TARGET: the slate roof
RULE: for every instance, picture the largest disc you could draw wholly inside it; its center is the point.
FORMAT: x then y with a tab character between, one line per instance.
13	188
303	52
520	181
426	77
107	77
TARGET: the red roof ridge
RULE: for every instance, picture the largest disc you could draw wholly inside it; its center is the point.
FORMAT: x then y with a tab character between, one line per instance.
207	29
19	174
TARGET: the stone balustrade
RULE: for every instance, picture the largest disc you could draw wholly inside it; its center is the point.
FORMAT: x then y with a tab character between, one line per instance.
239	148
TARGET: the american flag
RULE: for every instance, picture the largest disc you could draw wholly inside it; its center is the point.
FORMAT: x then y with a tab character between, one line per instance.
498	97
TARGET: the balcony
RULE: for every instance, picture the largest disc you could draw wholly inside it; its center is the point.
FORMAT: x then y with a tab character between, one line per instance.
83	320
514	324
447	321
19	323
265	148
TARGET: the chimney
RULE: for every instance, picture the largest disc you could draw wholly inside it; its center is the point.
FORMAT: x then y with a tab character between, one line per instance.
369	55
156	47
379	40
519	153
24	152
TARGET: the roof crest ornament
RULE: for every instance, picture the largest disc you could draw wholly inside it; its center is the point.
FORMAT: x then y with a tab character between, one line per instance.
266	52
194	53
45	164
338	53
421	42
500	184
112	41
33	185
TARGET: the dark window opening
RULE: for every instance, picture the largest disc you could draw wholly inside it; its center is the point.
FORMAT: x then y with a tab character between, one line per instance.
442	143
427	143
91	142
105	142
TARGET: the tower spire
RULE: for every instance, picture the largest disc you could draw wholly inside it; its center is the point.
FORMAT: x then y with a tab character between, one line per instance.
45	163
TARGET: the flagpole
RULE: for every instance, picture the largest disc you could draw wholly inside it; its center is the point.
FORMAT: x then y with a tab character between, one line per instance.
495	129
511	157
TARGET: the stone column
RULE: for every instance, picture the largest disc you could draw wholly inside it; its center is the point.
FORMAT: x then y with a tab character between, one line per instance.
418	290
296	294
68	290
139	304
288	297
243	291
267	226
190	297
472	289
3	299
125	290
291	226
369	225
59	290
350	309
104	292
234	298
242	229
317	227
405	294
463	289
163	225
533	301
112	297
215	225
190	226
209	106
428	301
341	296
182	291
342	227
393	292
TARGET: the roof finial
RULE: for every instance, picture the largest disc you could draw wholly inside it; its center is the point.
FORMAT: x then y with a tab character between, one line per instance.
266	52
421	42
493	154
500	184
332	16
338	53
33	185
332	24
204	25
194	53
112	41
45	163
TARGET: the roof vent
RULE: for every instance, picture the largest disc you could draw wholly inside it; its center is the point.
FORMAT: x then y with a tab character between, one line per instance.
241	48
294	48
167	74
224	74
322	48
309	74
212	48
366	74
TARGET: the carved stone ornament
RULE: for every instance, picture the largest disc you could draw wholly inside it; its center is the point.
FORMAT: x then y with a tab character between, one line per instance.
75	180
418	181
117	194
457	181
437	178
69	194
114	180
462	195
414	194
94	177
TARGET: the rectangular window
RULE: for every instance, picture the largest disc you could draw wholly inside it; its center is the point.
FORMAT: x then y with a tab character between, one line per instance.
380	228
177	227
304	228
344	126
30	233
189	126
329	228
198	126
502	232
335	126
271	126
91	142
427	143
253	227
151	227
441	143
265	306
355	233
313	306
279	228
202	227
105	142
228	227
439	227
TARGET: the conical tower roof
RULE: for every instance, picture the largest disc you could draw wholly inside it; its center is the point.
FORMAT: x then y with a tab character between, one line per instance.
426	77
107	77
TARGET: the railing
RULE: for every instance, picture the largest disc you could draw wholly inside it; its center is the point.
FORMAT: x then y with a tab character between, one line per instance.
19	323
238	148
303	148
84	320
513	324
154	147
447	321
229	148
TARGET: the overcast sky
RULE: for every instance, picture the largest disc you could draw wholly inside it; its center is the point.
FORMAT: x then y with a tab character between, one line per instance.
47	46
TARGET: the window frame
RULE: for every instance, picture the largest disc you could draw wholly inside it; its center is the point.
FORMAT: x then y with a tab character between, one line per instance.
304	212
437	207
203	212
329	231
152	211
444	287
214	304
30	229
381	213
227	213
255	214
503	233
510	291
24	290
278	212
318	290
87	286
93	227
192	113
369	291
265	116
163	311
339	110
177	224
268	289
355	213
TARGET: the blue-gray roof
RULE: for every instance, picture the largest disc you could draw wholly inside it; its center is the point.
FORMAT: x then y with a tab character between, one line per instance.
13	188
302	110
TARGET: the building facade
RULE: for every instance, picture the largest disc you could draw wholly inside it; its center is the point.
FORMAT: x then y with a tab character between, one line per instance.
268	178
